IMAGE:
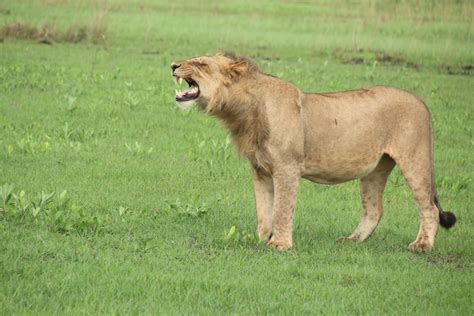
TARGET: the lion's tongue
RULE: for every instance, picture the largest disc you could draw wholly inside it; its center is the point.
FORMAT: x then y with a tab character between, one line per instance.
187	94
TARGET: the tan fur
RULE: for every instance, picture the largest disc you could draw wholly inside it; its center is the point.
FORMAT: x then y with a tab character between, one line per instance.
327	138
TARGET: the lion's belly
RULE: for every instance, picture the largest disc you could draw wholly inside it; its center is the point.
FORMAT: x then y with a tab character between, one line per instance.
339	170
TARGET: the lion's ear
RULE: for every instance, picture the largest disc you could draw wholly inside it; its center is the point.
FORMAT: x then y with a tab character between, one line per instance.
238	69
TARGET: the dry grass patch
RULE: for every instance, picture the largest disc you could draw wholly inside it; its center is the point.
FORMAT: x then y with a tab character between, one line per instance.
94	32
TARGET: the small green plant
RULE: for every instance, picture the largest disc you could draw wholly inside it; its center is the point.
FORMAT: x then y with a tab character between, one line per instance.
234	236
369	74
231	233
51	210
214	153
138	149
44	201
193	210
75	137
126	213
6	194
221	149
76	219
9	149
32	144
71	104
21	203
132	100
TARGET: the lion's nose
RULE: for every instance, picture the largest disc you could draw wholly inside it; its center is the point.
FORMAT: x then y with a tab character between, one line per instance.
174	66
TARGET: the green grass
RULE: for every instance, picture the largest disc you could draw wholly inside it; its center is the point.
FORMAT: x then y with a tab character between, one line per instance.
153	193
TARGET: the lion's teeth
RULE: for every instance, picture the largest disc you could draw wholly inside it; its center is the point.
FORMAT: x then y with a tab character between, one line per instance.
180	80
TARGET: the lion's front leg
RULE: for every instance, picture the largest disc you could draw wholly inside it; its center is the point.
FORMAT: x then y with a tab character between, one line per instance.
286	187
263	186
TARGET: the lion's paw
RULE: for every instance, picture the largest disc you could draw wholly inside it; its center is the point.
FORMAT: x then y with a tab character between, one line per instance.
419	245
279	244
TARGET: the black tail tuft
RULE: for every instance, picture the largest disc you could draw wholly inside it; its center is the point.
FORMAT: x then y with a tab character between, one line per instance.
447	219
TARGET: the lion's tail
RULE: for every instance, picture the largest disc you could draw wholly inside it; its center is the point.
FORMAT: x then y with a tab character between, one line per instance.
446	219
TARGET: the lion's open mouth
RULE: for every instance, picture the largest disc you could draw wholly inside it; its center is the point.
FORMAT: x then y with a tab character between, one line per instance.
191	93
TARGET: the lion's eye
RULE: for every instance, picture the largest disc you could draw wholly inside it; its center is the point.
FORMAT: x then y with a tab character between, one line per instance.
201	64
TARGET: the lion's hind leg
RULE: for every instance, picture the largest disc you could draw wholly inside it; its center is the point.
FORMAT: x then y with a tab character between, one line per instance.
418	174
371	191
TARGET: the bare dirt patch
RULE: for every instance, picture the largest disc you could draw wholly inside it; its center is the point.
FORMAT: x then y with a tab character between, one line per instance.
393	60
464	70
455	260
362	56
354	61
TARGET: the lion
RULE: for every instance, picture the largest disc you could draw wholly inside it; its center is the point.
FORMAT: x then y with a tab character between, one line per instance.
328	138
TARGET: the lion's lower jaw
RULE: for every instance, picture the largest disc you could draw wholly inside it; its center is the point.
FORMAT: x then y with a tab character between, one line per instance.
184	105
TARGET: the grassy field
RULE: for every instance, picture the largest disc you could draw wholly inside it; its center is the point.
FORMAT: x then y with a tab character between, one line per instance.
153	211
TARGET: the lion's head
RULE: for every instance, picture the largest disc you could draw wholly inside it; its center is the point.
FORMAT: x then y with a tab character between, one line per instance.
208	77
